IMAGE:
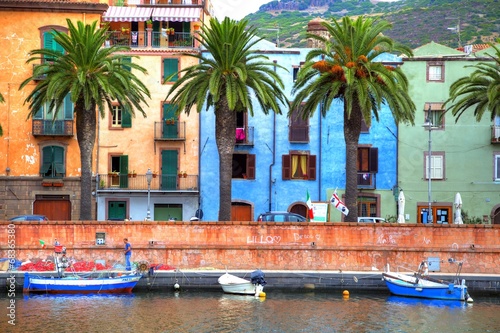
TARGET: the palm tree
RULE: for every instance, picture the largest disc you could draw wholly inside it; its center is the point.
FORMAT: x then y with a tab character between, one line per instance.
94	77
347	72
225	81
480	89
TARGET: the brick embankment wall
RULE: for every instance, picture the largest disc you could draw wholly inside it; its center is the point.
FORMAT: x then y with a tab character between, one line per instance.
268	246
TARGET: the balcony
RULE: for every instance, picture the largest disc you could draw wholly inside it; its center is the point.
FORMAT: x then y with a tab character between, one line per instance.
157	2
170	130
129	182
367	180
42	127
495	134
244	136
141	39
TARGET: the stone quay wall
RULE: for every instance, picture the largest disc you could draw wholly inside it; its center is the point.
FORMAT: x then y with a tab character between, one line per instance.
267	246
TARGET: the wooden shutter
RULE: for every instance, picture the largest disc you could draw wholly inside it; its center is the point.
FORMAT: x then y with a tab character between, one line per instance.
46	161
58	159
311	172
126	118
68	107
124	171
285	167
373	159
251	166
170	66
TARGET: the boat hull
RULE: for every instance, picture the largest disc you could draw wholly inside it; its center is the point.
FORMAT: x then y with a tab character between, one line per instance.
56	285
411	286
232	284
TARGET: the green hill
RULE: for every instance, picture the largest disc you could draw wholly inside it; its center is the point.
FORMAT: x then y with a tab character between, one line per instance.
414	22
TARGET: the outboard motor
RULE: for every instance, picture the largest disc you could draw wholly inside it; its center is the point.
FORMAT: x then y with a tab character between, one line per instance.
257	277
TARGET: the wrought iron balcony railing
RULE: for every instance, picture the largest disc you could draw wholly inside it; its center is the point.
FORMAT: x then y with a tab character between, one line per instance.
159	182
43	127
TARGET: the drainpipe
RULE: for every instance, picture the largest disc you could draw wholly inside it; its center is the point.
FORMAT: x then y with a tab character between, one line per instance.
274	156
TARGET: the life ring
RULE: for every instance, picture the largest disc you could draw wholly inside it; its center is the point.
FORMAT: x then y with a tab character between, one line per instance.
143	267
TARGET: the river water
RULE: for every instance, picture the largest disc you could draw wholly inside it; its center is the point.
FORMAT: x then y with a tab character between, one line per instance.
212	311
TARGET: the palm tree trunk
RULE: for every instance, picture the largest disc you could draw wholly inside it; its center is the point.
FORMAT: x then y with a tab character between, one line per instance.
352	130
86	121
225	129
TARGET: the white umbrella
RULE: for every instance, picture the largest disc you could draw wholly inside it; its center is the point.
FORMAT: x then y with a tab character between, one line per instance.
458	209
401	207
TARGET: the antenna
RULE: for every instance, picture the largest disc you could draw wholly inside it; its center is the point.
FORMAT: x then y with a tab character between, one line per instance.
457	30
277	34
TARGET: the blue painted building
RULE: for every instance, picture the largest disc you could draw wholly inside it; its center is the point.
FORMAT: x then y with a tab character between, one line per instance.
277	159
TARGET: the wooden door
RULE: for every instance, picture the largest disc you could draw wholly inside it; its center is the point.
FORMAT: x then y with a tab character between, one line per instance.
241	212
55	207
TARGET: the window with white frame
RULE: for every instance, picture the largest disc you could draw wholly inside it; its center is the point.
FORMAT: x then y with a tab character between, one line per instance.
435	71
120	118
497	166
437	165
435	113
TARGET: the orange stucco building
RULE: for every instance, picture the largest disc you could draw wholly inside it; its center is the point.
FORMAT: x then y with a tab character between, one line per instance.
40	159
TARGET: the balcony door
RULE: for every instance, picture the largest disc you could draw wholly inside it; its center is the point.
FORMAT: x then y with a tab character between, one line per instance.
169	170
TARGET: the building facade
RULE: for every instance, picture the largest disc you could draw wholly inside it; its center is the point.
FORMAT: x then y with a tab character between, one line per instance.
40	164
278	159
464	153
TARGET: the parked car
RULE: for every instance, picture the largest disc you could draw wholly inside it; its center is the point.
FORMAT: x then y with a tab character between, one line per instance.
30	218
370	219
281	217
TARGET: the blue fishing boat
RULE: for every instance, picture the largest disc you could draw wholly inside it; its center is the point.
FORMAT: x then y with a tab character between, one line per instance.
75	284
421	285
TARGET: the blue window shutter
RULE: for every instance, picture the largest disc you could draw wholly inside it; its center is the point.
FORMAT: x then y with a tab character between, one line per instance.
39	114
68	107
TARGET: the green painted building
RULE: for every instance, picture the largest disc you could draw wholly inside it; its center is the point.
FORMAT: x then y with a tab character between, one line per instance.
465	155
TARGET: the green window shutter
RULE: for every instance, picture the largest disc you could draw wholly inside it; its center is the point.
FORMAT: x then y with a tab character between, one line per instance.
68	107
51	44
126	118
126	63
170	66
39	114
124	171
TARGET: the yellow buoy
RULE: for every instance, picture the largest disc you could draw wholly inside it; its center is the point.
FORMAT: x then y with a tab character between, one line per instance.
346	293
262	294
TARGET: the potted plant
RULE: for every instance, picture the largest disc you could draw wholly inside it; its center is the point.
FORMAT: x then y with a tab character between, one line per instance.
184	174
155	174
171	31
149	24
102	183
170	121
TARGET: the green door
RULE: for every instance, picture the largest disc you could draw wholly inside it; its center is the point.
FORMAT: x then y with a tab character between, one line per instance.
166	212
117	210
169	169
170	122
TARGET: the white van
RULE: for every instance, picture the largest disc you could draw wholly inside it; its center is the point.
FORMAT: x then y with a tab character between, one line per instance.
371	219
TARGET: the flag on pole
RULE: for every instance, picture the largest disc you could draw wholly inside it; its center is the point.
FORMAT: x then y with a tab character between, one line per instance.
338	203
42	243
309	206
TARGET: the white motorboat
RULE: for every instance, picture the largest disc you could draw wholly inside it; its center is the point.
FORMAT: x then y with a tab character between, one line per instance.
233	284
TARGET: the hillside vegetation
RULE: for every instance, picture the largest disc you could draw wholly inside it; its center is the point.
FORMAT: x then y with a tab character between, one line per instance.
415	22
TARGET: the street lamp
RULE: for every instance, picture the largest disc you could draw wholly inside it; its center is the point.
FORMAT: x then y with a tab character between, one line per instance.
149	177
428	127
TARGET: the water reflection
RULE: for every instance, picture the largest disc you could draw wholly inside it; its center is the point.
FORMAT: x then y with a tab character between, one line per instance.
190	311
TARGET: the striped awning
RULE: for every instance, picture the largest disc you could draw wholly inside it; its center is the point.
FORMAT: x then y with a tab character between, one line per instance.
177	14
127	14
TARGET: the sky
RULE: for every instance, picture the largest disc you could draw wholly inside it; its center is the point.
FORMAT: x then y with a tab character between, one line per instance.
236	9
